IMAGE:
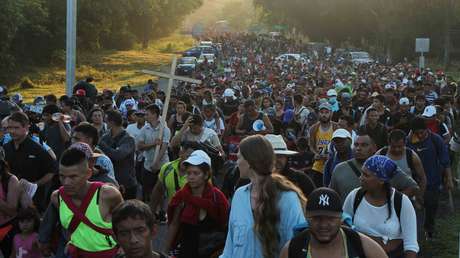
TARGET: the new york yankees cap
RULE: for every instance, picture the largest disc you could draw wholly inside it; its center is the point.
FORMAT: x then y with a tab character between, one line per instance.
324	201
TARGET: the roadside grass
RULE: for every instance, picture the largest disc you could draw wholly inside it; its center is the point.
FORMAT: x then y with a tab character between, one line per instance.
110	69
446	241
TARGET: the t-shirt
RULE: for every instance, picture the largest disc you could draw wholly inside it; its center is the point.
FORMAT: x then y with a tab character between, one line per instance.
27	247
166	176
149	135
323	139
207	136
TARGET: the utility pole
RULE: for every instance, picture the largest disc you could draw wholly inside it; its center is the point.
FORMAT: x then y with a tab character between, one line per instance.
71	45
447	30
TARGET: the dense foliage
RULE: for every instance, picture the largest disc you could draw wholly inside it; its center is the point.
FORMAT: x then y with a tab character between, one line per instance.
33	31
388	26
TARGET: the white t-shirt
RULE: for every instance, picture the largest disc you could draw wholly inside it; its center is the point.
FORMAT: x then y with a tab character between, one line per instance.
372	220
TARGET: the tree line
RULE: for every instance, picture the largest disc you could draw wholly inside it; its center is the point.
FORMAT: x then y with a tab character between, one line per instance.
389	27
33	31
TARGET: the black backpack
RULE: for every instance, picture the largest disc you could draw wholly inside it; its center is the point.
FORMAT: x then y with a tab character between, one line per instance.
397	203
298	247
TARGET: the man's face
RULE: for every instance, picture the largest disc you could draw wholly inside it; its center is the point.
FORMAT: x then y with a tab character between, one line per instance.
80	137
421	134
364	147
47	118
135	237
373	117
150	117
341	144
324	115
404	108
397	147
73	178
281	162
324	228
420	103
249	109
196	129
16	130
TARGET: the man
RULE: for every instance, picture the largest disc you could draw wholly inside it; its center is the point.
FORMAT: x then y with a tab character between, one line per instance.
340	152
434	125
326	236
347	123
85	208
419	107
229	103
345	176
282	153
55	133
402	118
436	163
147	141
134	228
245	124
430	94
374	128
300	111
134	130
119	146
194	131
28	160
320	138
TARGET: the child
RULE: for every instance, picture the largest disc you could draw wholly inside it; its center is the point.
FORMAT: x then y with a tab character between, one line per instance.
25	243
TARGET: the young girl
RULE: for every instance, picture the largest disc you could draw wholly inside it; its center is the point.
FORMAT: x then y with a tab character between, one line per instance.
25	243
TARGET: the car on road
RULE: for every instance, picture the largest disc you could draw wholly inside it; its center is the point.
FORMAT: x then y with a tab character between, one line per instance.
210	57
359	57
186	65
194	51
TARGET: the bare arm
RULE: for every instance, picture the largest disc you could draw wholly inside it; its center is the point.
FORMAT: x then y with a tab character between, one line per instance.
10	206
111	198
268	124
175	141
371	248
65	134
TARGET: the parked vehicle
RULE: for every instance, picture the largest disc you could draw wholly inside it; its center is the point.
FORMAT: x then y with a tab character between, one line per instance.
210	57
186	65
195	52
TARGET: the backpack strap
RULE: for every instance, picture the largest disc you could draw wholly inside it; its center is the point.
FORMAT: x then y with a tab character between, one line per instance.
358	198
79	212
298	247
410	159
354	244
354	168
384	151
398	204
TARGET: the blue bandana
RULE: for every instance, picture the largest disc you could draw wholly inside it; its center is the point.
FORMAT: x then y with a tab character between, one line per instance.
382	167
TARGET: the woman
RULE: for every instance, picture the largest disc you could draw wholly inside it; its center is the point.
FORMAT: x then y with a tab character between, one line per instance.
381	212
96	118
199	212
265	211
267	107
9	200
176	122
277	121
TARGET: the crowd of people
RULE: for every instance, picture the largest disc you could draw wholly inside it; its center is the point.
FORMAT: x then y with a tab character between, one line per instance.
267	157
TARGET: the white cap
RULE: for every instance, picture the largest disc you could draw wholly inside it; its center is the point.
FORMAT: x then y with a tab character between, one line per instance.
332	93
198	157
391	86
229	93
404	101
429	111
341	133
278	144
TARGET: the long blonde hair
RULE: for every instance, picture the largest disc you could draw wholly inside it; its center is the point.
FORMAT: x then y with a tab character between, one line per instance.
259	154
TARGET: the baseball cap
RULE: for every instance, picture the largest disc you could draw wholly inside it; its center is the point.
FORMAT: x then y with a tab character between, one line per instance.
84	147
404	101
279	145
198	157
324	201
229	93
429	111
80	92
332	93
325	105
341	133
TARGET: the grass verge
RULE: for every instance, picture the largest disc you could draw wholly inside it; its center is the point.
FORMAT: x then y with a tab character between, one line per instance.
110	69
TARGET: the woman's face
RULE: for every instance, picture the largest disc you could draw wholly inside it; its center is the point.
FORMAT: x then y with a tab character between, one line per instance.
279	106
196	177
369	181
97	117
266	103
180	109
243	166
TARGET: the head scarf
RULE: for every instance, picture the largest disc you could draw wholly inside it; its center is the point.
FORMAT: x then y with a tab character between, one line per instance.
382	167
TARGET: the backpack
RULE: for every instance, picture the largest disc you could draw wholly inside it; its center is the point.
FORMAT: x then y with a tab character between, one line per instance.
397	202
298	246
409	156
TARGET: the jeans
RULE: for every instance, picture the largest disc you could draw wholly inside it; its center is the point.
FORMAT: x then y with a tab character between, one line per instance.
431	207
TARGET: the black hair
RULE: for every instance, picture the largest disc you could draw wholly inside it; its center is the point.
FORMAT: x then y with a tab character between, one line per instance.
249	103
19	117
302	143
197	120
51	98
418	123
134	209
420	97
72	157
298	98
396	135
388	191
89	131
68	102
363	132
381	98
115	117
348	119
29	213
153	108
130	112
50	109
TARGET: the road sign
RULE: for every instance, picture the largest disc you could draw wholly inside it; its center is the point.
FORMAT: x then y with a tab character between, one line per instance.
422	45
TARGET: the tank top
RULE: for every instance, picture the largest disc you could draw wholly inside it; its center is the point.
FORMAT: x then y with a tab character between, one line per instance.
247	122
84	237
323	139
25	248
402	164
